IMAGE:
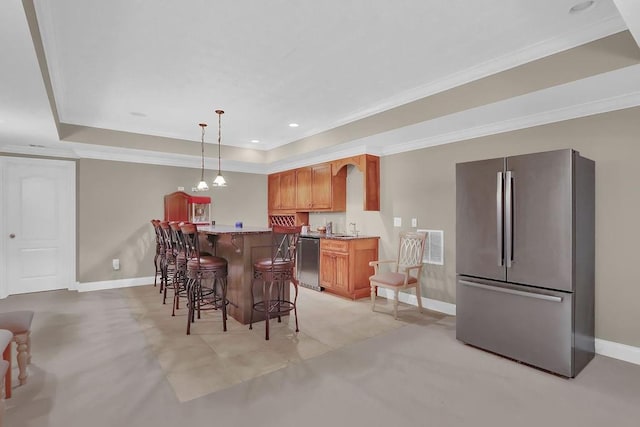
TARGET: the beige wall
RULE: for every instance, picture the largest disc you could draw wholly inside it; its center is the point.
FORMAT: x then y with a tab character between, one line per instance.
117	200
421	184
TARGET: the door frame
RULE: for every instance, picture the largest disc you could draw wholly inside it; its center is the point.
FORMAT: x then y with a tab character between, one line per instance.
28	161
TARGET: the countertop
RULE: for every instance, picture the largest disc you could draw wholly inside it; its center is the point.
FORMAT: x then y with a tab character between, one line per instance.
337	236
230	229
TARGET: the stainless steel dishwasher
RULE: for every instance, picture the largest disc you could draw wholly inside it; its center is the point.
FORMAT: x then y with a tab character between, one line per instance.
308	260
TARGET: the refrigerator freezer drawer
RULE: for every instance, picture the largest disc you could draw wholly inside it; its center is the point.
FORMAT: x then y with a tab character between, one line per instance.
531	325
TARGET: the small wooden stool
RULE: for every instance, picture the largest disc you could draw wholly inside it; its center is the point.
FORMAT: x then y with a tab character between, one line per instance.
19	323
5	343
4	367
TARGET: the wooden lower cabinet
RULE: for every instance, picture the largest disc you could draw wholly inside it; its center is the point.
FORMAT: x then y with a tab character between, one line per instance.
344	266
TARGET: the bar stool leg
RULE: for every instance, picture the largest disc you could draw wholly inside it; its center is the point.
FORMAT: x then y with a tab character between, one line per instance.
267	303
190	304
253	304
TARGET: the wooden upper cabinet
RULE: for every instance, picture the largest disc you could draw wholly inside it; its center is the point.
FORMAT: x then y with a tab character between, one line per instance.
303	188
288	190
282	191
321	190
370	167
308	189
273	189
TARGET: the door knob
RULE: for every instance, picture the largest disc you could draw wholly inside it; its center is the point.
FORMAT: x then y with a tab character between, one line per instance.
12	236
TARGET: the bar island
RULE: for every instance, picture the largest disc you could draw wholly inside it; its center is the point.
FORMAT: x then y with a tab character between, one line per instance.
241	247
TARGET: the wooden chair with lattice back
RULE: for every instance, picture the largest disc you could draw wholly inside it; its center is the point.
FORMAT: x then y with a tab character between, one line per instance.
405	271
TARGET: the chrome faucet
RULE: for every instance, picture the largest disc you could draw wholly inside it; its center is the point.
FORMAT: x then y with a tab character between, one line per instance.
353	226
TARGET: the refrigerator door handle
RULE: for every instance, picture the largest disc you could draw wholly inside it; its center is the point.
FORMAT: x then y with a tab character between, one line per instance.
499	217
508	216
511	291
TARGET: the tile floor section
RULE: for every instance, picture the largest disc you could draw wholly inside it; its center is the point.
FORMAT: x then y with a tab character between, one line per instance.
209	359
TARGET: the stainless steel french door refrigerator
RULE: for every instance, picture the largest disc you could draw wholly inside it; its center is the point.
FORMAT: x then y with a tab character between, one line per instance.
525	258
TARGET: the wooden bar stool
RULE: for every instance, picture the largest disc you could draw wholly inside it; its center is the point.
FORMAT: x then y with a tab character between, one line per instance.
204	267
19	323
5	366
275	274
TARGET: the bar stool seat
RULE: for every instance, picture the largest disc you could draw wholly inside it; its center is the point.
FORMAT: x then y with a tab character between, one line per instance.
207	264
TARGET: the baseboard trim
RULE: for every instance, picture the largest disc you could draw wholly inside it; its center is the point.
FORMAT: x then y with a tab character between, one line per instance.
114	284
619	351
612	349
430	304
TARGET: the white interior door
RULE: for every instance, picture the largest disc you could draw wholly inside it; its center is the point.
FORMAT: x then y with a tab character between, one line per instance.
38	224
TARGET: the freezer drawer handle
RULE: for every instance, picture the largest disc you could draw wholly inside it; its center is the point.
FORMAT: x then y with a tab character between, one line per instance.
512	291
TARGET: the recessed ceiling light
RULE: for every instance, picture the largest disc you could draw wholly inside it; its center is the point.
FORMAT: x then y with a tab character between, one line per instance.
293	125
138	114
582	6
255	141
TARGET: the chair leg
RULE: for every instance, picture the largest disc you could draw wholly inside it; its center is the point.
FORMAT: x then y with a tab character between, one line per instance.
373	297
7	378
395	304
419	297
28	347
21	342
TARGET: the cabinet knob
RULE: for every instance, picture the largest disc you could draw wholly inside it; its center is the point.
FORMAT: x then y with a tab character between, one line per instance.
12	236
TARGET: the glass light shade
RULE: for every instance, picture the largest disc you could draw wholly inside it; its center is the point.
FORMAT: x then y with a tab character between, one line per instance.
202	186
219	181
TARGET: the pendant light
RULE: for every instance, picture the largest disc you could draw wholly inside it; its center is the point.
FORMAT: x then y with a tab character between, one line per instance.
219	181
202	185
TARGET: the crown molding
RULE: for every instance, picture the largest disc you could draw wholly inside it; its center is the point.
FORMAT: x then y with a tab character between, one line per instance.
606	92
568	40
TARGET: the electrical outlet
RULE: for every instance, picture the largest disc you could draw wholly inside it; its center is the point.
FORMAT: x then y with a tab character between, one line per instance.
115	263
414	222
180	188
397	221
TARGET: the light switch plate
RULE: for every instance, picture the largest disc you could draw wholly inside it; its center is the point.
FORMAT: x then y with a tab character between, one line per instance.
397	221
414	222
